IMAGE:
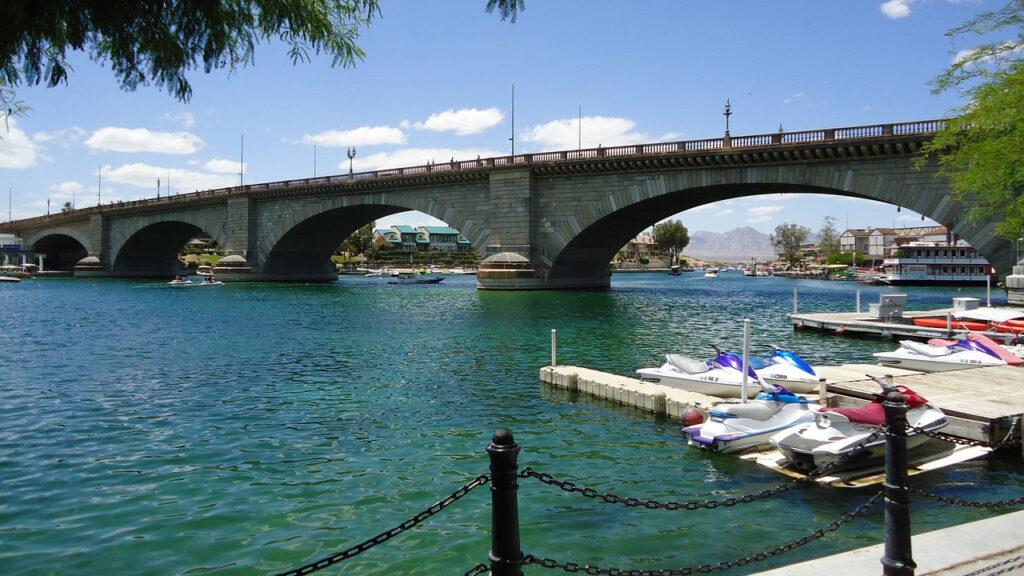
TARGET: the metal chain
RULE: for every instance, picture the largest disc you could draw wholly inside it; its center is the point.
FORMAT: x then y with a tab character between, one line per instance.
962	441
705	568
611	498
477	570
1006	569
968	503
390	533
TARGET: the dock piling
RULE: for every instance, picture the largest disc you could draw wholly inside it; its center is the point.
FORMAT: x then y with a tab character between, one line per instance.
898	559
554	348
949	323
506	555
822	392
988	290
858	300
746	359
796	301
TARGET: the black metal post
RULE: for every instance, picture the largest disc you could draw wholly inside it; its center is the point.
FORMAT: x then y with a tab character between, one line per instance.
506	556
898	560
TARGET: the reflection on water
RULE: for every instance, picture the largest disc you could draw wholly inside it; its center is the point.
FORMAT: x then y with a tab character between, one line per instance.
249	428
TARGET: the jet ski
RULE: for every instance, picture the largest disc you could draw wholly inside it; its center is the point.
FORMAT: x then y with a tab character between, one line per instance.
734	426
786	368
836	432
721	376
937	355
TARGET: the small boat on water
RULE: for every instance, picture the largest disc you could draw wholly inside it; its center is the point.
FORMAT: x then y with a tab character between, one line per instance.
11	279
837	432
711	273
181	281
721	376
974	351
785	368
675	271
413	278
11	271
737	426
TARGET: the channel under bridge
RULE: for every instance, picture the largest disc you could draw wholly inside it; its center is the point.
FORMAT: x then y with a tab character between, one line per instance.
550	220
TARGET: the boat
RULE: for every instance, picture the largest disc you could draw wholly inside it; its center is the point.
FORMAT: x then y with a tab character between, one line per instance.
946	263
974	351
711	273
180	281
12	271
785	368
721	376
413	278
934	322
675	271
737	426
9	279
838	433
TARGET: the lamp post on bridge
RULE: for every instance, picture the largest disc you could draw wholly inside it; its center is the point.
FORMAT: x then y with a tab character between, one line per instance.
351	153
727	141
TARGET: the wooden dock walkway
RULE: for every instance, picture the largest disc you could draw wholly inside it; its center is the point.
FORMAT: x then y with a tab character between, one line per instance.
864	325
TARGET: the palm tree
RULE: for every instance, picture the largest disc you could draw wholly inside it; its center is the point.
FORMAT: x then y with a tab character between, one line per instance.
67	207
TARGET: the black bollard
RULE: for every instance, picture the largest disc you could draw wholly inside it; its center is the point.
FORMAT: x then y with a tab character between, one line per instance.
898	560
506	557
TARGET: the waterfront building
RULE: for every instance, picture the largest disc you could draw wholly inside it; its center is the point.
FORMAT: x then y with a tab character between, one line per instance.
855	240
880	240
423	239
640	248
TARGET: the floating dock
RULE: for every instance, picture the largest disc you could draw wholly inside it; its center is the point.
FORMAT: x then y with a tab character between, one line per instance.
864	325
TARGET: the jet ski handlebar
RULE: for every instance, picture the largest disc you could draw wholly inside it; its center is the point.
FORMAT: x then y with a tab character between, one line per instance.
885	382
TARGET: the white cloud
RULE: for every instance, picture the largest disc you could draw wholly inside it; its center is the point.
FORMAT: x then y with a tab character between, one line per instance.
596	130
64	136
794	97
67	189
17	150
221	166
143	140
362	136
764	210
186	119
146	175
896	9
1009	49
411	218
403	157
463	121
759	219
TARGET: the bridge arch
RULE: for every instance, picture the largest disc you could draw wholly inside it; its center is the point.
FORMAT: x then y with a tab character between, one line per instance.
577	251
149	247
61	248
297	244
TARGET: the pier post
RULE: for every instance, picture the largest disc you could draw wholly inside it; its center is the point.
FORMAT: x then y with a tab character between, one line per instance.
796	301
949	323
858	300
822	393
988	290
746	359
898	560
554	348
506	556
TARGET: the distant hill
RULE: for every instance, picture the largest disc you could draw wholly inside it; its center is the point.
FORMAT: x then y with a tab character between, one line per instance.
737	245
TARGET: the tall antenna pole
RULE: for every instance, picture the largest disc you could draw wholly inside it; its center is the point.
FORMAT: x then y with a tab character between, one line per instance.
158	187
47	206
314	160
579	125
513	137
241	164
99	184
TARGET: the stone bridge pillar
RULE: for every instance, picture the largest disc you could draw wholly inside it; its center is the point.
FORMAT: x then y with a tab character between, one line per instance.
97	261
512	211
240	252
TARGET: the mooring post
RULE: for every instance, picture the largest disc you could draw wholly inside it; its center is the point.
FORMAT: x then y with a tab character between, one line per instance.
822	392
988	290
898	560
506	556
858	300
796	301
949	323
746	359
554	348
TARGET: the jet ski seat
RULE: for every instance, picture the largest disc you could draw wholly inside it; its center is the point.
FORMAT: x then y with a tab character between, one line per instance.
687	364
925	349
751	410
872	413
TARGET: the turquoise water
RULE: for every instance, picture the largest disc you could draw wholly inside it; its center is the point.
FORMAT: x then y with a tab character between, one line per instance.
247	429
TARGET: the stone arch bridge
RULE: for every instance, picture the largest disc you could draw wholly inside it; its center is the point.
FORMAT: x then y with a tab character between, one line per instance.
566	213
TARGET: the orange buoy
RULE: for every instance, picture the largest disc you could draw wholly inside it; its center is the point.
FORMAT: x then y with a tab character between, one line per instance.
692	416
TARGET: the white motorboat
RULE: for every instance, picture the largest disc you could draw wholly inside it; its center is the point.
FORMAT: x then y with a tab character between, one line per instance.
836	433
736	426
413	278
722	376
181	281
11	279
937	355
711	273
786	368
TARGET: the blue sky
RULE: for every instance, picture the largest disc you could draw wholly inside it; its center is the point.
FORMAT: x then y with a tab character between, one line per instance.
436	84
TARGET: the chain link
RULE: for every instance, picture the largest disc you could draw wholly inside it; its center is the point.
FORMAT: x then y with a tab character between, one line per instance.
968	503
963	441
477	570
1003	564
390	533
705	568
610	498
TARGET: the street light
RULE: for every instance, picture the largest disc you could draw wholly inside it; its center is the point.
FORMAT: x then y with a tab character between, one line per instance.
727	113
351	153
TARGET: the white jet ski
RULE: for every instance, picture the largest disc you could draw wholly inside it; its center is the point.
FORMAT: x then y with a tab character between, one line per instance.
836	432
786	368
937	355
735	426
722	376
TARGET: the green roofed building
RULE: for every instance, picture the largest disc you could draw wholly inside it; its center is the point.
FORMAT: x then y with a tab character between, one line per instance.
423	238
